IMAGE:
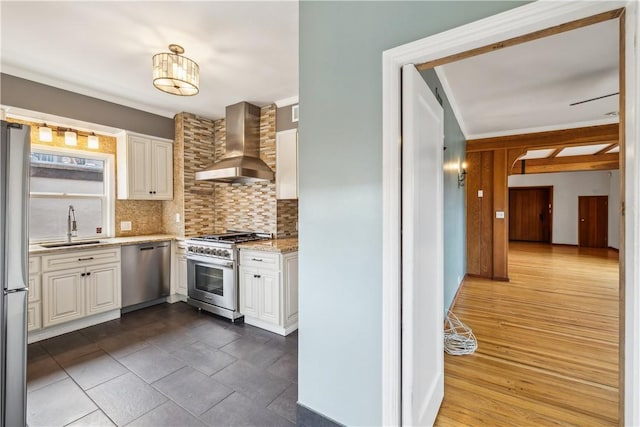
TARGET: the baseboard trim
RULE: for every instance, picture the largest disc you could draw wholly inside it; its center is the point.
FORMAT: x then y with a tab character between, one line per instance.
614	249
74	325
455	297
500	279
306	417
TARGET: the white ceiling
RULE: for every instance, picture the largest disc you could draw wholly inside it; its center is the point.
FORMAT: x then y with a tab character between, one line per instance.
247	51
528	87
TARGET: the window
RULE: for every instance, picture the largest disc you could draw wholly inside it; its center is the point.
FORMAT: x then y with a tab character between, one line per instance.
61	178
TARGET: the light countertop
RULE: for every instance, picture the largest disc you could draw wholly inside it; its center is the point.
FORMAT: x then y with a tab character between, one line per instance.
36	249
274	245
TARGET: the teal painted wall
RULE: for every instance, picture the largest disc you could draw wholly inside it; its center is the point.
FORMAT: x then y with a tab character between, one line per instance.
340	206
455	224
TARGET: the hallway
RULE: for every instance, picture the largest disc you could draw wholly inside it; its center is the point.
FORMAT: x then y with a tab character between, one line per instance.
547	342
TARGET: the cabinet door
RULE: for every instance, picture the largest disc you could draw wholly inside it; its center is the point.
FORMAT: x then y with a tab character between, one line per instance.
290	286
287	164
35	287
34	319
138	167
249	292
162	170
182	275
63	296
269	308
102	288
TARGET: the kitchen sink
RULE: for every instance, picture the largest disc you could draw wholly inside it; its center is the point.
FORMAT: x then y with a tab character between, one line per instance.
65	244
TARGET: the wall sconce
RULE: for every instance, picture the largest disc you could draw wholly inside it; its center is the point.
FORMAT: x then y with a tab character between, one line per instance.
70	137
93	142
462	174
45	133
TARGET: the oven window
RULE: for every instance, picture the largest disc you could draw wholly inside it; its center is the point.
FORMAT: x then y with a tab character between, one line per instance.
209	279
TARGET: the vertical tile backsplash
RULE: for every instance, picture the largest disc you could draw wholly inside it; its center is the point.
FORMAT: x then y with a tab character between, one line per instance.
250	207
216	207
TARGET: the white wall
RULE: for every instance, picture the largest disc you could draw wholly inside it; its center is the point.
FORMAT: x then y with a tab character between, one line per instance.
567	187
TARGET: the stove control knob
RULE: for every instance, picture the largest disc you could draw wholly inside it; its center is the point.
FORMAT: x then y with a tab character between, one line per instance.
190	249
208	251
226	254
200	250
218	252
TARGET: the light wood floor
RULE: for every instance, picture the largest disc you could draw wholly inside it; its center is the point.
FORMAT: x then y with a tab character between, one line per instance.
547	342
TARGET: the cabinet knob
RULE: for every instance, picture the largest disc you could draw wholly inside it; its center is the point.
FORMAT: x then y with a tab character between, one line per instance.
82	274
257	276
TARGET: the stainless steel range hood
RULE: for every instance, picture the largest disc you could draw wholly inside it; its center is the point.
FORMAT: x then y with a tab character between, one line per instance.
241	162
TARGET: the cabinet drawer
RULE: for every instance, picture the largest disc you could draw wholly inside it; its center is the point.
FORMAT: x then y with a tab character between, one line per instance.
269	260
34	265
35	287
80	259
34	317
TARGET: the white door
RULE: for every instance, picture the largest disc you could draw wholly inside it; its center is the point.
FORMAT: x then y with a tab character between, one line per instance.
422	247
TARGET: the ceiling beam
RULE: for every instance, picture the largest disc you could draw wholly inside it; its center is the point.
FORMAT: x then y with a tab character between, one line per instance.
555	152
607	148
589	162
590	135
612	14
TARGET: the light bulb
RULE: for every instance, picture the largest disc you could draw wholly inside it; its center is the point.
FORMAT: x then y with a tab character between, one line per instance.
45	133
70	138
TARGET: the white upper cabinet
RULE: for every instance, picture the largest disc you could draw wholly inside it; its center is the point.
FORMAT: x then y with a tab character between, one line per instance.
145	168
287	164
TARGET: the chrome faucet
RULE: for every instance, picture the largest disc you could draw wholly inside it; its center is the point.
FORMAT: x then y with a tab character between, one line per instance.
72	226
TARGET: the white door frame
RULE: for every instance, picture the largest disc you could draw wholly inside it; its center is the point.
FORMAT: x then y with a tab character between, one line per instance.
513	23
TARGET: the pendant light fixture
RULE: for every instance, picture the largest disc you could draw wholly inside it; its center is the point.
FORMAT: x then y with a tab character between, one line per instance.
176	74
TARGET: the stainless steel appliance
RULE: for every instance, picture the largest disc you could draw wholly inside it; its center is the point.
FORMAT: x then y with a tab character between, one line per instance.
14	270
212	271
146	274
241	162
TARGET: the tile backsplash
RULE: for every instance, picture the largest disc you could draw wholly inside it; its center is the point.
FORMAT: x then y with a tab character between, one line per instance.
209	207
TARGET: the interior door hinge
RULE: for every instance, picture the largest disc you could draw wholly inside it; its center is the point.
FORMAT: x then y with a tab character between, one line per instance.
622	208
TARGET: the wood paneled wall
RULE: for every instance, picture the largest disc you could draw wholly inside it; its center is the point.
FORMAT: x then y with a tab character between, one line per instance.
479	214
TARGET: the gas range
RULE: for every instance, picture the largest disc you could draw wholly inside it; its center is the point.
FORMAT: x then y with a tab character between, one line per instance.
221	245
212	271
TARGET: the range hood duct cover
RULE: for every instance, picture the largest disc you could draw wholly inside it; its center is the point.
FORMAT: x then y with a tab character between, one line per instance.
241	162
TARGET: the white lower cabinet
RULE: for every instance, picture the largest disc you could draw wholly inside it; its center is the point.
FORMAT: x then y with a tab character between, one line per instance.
34	307
79	284
103	288
63	296
181	272
269	290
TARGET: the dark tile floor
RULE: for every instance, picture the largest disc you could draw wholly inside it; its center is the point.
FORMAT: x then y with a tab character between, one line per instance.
167	365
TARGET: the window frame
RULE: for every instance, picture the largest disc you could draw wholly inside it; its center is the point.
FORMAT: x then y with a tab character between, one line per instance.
109	180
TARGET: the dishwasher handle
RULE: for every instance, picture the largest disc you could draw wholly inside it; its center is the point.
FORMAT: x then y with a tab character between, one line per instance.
148	248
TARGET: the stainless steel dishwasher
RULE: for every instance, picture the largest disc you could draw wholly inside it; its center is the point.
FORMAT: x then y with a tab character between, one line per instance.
146	274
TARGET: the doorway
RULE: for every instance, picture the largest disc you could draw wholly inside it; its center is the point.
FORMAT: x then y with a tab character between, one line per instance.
530	214
593	221
536	18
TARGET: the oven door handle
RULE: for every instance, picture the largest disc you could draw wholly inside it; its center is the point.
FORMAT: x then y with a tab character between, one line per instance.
210	261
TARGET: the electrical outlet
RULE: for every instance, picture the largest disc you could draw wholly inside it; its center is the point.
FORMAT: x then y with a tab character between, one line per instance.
480	193
125	225
177	217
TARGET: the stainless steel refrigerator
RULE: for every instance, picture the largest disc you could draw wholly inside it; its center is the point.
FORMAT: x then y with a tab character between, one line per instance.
14	265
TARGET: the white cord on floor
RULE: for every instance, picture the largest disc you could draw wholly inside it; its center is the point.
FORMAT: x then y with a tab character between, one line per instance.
458	337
